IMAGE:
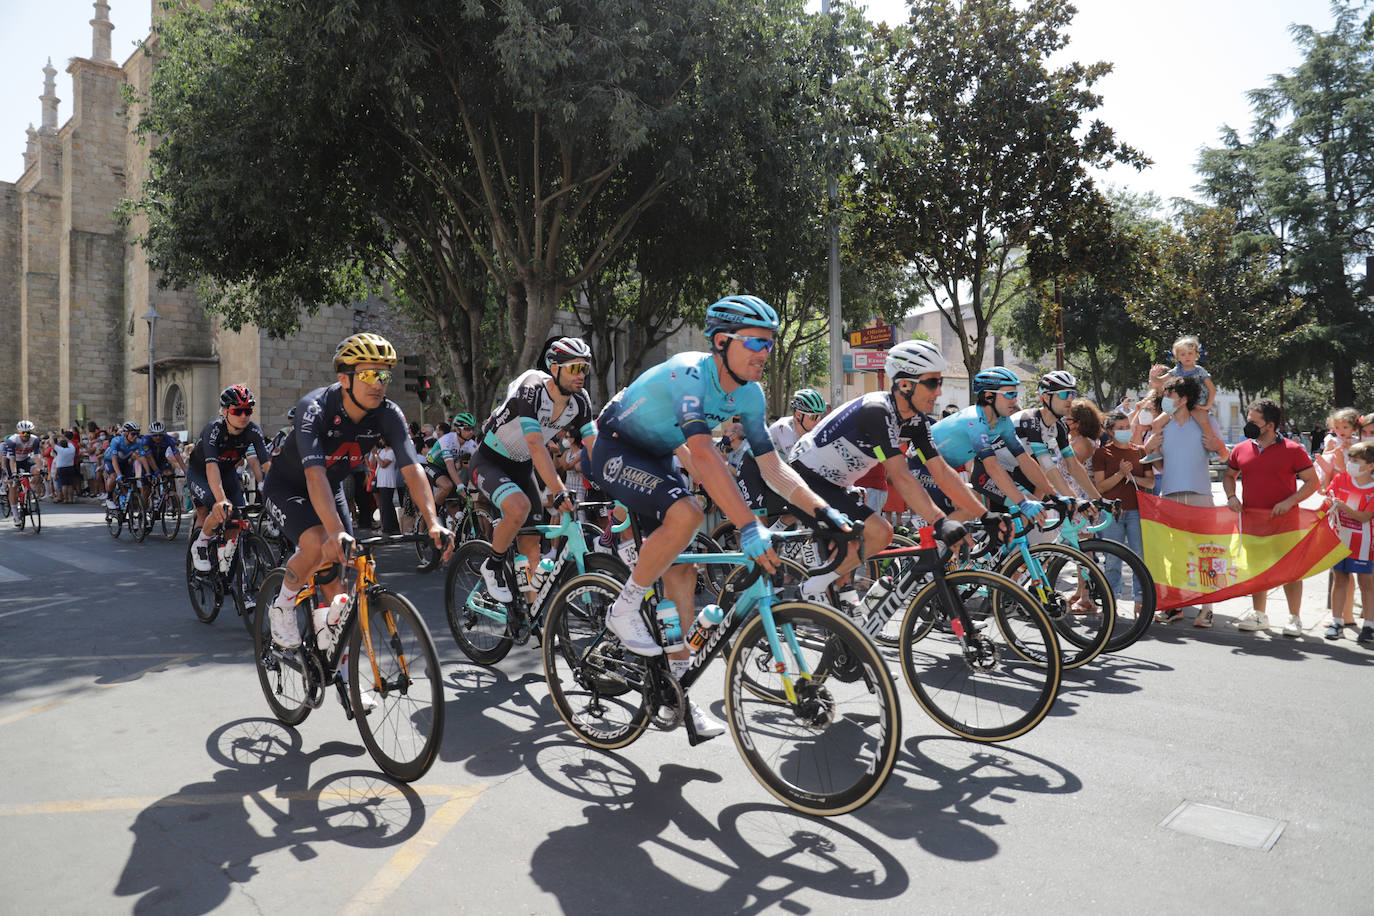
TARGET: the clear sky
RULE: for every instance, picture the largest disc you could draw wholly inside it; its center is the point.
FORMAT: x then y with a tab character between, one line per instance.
1182	68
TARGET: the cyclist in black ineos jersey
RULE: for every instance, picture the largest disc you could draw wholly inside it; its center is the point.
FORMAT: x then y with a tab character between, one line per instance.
210	473
334	430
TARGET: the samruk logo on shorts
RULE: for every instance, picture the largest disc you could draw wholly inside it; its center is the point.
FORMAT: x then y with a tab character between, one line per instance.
611	470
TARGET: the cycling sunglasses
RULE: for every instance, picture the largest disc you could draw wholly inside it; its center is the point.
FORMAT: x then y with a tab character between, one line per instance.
575	368
374	376
1066	395
932	383
1010	395
242	411
755	344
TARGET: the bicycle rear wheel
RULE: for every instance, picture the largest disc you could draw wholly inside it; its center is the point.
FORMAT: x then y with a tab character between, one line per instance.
596	684
983	687
478	621
830	747
201	587
21	510
399	678
281	672
35	513
425	551
1077	600
138	516
114	521
5	504
256	559
1135	597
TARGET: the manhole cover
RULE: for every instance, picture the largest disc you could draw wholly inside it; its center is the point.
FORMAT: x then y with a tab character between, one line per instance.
1225	826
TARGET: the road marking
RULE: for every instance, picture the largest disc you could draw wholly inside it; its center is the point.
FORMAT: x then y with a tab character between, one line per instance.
40	605
408	858
9	575
165	662
87	561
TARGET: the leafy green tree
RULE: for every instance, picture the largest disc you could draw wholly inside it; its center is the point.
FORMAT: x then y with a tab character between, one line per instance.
1303	188
984	149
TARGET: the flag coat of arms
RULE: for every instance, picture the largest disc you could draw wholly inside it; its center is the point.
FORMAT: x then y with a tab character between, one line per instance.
1199	554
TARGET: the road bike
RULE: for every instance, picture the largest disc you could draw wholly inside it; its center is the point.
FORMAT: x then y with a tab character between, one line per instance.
1119	562
818	724
163	503
977	650
379	655
239	562
24	502
129	509
486	629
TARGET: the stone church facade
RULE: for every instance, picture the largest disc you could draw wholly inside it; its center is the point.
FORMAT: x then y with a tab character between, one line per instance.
75	290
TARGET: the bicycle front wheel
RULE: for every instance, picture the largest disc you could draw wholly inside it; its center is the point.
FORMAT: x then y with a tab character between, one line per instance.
478	621
170	516
1134	596
596	684
395	685
831	746
281	672
1075	597
256	559
995	683
138	516
36	514
201	588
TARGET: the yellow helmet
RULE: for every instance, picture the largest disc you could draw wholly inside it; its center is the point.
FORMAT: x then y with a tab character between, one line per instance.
364	348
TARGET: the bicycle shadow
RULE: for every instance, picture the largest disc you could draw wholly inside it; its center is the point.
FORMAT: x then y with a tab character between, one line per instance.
191	847
1107	674
942	791
494	713
764	855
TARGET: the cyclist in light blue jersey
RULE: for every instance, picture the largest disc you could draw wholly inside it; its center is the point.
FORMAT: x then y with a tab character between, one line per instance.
979	430
670	409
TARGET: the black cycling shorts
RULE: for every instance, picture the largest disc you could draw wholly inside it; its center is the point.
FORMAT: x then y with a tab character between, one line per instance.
293	514
202	494
647	485
497	477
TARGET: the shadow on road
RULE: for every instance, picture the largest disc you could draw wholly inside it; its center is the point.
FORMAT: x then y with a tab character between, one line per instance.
192	847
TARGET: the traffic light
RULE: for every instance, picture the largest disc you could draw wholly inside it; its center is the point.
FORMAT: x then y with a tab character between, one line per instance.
423	386
414	368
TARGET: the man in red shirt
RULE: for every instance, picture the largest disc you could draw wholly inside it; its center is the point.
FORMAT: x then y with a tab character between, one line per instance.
1270	467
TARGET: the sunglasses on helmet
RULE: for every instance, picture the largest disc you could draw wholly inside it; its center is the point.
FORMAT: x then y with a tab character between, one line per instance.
754	344
373	376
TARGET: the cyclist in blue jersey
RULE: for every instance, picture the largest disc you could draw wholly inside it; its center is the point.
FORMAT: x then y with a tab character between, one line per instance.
514	449
334	430
158	450
671	409
121	460
979	430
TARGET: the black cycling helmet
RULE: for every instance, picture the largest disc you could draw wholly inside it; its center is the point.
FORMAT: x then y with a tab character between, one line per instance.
236	396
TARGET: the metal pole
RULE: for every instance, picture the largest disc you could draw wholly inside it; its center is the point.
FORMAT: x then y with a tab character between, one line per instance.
836	328
151	317
1058	326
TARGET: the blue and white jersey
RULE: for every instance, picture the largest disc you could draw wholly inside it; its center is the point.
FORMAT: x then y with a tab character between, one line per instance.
121	449
156	445
18	448
682	397
857	435
966	435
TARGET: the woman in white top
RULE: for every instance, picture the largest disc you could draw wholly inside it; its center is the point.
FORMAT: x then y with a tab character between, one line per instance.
385	486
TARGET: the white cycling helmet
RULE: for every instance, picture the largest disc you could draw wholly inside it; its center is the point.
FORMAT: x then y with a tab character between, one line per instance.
24	426
912	359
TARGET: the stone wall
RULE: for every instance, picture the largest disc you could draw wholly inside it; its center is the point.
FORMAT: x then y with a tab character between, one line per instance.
9	302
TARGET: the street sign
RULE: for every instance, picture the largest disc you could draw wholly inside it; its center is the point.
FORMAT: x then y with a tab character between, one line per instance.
884	335
869	360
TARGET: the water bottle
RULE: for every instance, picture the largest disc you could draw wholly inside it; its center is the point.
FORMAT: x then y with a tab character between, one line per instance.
669	626
709	618
327	629
226	554
878	591
541	573
522	572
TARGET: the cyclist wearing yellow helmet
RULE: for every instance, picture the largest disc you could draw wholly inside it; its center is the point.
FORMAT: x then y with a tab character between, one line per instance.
334	430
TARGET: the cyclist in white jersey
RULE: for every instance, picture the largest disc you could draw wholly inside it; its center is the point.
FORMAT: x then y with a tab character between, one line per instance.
808	406
538	405
1043	431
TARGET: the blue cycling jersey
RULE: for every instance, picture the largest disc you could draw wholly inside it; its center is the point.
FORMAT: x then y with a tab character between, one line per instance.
682	397
121	449
966	435
156	445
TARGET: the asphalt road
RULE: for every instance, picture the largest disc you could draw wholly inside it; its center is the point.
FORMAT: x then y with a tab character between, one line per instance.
143	773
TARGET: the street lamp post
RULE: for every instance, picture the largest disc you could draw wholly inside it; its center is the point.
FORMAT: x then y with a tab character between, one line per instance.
151	316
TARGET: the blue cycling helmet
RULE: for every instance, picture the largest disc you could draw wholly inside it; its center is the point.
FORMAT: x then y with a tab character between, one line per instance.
735	312
994	378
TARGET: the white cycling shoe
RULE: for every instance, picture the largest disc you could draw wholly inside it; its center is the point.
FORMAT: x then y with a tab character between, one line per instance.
705	724
632	632
284	631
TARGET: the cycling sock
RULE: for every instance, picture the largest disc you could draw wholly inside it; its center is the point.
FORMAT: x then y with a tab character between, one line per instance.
819	583
286	597
631	596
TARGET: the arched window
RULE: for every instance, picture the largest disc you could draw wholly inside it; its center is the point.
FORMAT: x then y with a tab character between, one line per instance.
174	407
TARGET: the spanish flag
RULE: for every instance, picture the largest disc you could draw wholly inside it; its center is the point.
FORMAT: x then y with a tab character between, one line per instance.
1197	554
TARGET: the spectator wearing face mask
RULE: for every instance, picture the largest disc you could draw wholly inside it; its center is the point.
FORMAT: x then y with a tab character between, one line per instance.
1118	474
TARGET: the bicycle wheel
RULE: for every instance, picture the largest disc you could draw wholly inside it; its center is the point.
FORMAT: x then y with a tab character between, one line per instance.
139	523
710	576
170	516
759	676
983	687
114	521
396	673
21	510
477	620
832	747
1134	598
1076	599
281	672
35	513
425	551
201	587
4	503
876	567
255	561
596	684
